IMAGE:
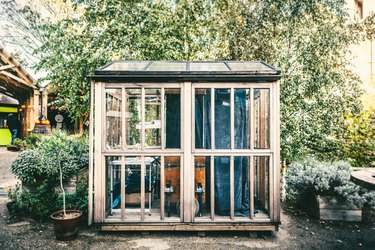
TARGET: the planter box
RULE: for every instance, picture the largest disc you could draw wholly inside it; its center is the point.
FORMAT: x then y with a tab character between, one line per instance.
329	208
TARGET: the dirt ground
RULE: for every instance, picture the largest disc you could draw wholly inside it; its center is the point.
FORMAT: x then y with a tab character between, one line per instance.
296	232
6	177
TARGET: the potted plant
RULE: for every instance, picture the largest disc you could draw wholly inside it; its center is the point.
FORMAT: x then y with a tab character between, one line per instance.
65	221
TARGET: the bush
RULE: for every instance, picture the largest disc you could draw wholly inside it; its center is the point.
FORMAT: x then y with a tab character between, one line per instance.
312	177
28	167
40	167
20	144
62	149
32	140
41	204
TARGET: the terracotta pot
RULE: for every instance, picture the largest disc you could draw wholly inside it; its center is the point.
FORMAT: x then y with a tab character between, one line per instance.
66	229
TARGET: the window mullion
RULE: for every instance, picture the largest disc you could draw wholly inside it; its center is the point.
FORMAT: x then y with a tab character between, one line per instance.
212	118
232	118
143	139
162	119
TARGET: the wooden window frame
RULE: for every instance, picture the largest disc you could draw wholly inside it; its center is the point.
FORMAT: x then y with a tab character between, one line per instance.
186	152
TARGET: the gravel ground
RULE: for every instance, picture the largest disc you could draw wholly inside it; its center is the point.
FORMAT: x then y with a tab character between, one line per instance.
6	177
296	232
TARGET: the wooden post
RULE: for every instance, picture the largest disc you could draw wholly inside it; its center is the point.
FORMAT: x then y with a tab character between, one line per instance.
99	198
188	170
91	155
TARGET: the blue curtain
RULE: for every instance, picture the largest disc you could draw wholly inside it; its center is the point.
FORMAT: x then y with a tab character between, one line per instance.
222	141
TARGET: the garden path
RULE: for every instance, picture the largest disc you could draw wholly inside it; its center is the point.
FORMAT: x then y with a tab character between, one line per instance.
7	179
297	231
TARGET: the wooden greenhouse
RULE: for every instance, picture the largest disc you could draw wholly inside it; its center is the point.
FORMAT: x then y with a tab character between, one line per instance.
185	145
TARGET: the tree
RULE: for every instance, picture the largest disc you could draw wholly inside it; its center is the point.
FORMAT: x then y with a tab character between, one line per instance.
308	40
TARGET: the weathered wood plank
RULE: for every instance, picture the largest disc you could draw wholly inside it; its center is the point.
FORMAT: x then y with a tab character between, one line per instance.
188	227
340	215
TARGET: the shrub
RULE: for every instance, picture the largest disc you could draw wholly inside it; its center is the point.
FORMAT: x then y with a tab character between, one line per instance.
28	167
62	149
327	179
40	204
20	144
32	140
40	166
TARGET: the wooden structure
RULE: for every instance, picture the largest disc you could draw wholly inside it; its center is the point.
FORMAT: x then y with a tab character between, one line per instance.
364	177
183	145
16	83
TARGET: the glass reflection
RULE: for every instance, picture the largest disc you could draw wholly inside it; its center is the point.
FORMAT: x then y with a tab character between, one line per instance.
113	99
133	118
262	118
152	122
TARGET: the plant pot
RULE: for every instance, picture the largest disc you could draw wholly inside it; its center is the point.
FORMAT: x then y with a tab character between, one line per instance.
10	207
66	228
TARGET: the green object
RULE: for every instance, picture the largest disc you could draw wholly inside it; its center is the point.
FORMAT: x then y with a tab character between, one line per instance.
8	109
5	136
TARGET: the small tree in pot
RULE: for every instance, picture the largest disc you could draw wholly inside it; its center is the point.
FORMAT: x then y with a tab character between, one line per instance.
66	163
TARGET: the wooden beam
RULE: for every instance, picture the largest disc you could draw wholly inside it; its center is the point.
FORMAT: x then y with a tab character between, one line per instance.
10	75
162	185
4	67
189	227
11	81
91	156
231	177
8	59
98	173
212	187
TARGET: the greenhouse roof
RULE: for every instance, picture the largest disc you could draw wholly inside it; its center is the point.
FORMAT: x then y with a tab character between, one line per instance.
189	70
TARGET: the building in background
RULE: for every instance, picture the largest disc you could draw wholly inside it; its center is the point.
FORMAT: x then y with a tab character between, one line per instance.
364	52
18	95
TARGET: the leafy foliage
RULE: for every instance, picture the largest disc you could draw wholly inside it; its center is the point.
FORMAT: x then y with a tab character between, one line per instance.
28	167
327	179
62	149
358	139
40	167
308	40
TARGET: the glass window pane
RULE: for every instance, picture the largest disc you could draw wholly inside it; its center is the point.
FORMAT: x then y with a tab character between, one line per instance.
204	66
133	187
129	66
133	118
152	118
222	118
241	186
167	66
261	186
203	118
172	186
172	111
242	118
222	186
113	99
249	66
262	118
113	186
152	187
202	188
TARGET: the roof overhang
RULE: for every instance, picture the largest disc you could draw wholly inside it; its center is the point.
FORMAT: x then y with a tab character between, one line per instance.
172	71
